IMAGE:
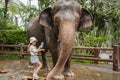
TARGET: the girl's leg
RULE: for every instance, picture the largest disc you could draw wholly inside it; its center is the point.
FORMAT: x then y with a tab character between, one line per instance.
39	65
35	68
34	71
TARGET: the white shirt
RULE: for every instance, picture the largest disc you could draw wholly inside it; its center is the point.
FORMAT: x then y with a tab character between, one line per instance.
33	50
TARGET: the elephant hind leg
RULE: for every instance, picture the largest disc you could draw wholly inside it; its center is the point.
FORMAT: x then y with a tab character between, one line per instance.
54	54
44	61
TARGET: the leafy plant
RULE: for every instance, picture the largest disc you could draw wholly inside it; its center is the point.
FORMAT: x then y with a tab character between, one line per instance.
12	37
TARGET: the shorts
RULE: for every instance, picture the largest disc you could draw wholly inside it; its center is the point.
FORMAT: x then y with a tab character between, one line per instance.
34	59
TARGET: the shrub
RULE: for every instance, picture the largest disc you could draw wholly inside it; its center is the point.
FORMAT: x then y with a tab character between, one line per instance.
13	37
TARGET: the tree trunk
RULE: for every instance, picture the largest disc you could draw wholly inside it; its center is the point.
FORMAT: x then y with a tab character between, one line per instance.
6	8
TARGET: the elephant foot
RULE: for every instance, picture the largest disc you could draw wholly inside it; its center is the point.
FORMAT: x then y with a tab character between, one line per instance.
68	73
58	76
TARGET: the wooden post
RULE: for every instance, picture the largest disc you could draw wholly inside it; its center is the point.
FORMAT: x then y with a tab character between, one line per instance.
21	51
1	48
119	53
116	57
96	54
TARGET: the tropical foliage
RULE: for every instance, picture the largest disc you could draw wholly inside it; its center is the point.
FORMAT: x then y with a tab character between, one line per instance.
14	15
13	37
106	28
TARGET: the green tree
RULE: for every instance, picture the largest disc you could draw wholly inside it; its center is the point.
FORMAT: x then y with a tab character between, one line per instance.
106	22
8	15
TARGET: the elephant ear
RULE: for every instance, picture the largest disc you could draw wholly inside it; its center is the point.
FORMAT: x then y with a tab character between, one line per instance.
85	19
45	17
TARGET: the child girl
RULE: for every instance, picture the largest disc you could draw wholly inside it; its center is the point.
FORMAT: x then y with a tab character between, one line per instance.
34	58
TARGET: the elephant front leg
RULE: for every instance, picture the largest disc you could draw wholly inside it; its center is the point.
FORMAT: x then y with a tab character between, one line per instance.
67	71
55	55
58	76
44	61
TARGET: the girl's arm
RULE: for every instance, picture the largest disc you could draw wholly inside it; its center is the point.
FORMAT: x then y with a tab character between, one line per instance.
40	48
36	51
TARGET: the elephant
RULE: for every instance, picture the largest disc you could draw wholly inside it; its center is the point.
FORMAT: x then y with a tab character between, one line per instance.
56	26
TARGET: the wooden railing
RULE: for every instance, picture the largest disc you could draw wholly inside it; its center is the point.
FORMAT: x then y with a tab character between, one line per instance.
94	57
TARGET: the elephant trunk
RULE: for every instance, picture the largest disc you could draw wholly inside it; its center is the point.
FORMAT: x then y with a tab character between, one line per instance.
66	37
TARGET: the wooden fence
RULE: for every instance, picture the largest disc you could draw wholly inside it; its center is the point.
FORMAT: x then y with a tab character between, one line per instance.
95	57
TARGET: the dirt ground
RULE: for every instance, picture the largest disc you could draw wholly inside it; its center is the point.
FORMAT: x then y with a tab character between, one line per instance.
18	69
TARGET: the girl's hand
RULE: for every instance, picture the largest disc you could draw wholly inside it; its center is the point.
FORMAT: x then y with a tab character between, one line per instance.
42	49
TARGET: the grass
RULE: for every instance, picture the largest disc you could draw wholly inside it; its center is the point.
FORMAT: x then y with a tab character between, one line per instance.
82	61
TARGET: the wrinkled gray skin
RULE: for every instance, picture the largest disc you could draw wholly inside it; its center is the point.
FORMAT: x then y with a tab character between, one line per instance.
57	26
